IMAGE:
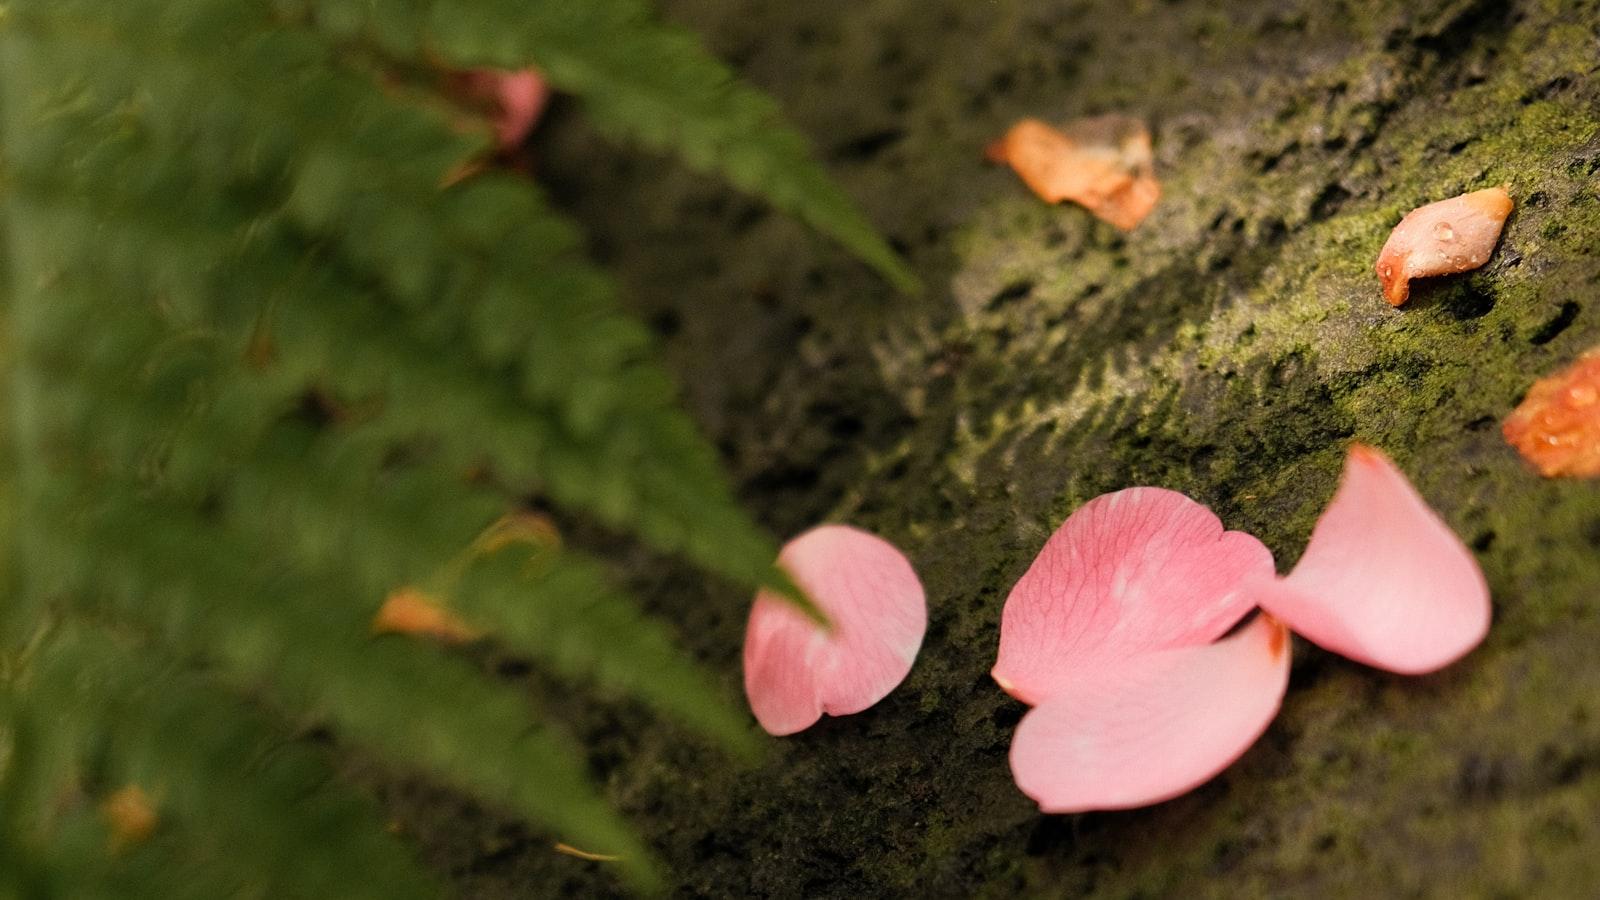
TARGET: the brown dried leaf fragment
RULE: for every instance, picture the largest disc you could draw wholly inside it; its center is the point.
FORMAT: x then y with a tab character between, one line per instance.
522	528
1557	426
131	816
1102	163
569	850
1455	235
409	611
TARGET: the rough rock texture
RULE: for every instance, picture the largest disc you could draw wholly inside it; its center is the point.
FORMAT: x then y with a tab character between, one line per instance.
1231	348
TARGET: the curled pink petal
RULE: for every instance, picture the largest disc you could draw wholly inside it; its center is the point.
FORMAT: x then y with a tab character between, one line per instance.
1134	571
1154	727
794	669
1384	580
522	96
1454	235
519	97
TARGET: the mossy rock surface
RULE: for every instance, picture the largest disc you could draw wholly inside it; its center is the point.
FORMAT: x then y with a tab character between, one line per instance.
1231	347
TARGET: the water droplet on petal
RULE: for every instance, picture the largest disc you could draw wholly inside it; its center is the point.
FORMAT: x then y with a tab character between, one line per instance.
1443	231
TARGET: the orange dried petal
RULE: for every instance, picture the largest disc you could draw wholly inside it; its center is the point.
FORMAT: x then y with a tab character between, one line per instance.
1102	163
409	611
130	814
1557	425
1454	235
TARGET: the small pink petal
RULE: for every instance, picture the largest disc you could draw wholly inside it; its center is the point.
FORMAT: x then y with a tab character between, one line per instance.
1134	571
519	97
1157	726
523	96
1384	580
794	669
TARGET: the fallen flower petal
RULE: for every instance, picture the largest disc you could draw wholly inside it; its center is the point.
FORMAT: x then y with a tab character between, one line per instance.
1442	238
130	815
518	97
1155	727
1557	426
510	101
1103	163
408	611
522	97
1383	580
1130	572
794	669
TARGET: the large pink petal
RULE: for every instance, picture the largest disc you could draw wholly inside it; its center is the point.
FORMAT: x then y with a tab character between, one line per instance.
1384	580
1155	727
1138	570
794	669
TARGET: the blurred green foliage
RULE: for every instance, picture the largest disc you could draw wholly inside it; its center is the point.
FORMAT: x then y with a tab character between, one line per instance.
267	363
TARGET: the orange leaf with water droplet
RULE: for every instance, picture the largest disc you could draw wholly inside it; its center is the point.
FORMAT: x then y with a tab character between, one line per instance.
1557	425
1455	235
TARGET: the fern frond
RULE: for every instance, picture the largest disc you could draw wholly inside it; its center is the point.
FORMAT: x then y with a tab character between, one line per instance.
301	637
514	292
639	80
273	364
239	804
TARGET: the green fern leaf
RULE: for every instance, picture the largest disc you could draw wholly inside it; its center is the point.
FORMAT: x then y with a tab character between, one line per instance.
239	803
640	80
269	369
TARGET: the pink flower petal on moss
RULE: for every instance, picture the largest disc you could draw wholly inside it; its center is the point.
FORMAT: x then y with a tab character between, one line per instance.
1157	726
794	669
1384	580
1130	572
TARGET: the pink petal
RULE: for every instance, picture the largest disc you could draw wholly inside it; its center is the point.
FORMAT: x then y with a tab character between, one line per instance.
522	96
1384	580
796	670
519	97
1134	571
1154	727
